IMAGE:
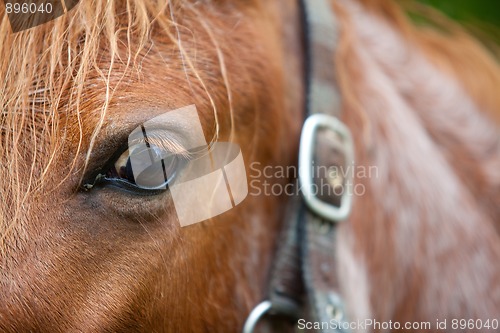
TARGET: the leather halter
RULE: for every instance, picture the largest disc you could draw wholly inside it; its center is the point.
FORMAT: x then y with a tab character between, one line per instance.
304	283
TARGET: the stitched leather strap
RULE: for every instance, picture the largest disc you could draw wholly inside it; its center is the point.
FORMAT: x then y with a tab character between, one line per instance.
319	255
304	281
287	288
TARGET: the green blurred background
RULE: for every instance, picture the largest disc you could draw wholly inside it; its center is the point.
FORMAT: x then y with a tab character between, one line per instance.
471	11
478	15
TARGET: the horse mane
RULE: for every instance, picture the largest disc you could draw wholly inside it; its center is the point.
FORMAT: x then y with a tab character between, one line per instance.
424	107
70	68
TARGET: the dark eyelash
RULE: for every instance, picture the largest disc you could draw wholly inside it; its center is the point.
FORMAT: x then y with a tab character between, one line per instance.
156	137
97	177
101	178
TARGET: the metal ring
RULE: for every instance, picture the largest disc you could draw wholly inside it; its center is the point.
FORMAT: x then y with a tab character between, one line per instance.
253	318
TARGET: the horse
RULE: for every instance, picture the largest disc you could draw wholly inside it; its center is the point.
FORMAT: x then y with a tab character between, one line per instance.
422	241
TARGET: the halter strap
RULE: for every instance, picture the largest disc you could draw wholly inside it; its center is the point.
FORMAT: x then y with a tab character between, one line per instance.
323	135
304	283
321	39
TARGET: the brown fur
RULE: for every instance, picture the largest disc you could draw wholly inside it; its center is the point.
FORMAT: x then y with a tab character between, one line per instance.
429	219
422	242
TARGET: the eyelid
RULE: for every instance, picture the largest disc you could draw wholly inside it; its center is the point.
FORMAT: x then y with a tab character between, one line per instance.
177	132
157	138
163	140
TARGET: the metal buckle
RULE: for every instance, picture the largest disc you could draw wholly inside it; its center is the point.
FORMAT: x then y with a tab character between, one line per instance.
306	155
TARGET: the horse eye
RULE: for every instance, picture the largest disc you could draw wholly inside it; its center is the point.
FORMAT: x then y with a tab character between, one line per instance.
143	167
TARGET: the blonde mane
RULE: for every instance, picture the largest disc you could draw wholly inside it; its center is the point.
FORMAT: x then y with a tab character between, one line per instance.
51	73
